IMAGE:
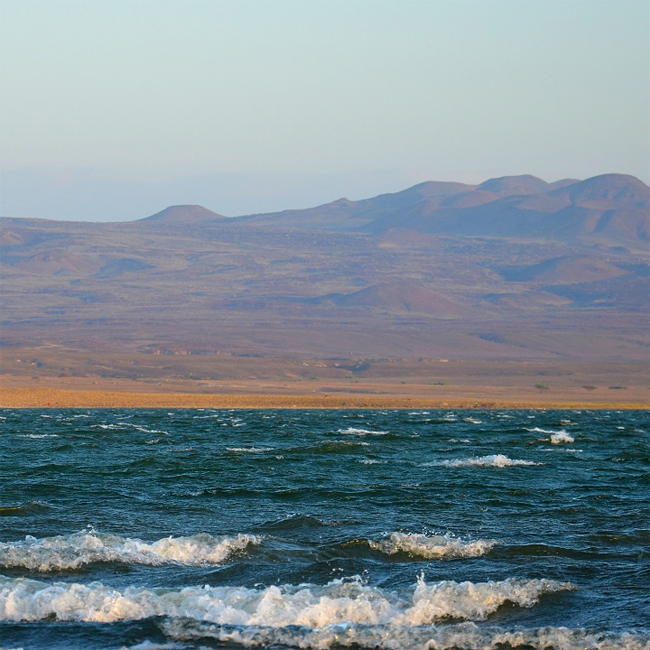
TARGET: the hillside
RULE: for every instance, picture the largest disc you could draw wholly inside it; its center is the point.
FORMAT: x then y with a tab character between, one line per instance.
512	269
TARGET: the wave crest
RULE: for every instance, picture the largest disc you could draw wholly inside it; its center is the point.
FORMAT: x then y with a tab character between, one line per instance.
354	431
494	460
338	602
79	549
432	546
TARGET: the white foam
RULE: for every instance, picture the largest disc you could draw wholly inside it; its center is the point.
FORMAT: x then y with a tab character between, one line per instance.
79	549
353	431
39	435
142	429
495	460
561	437
557	437
248	450
346	443
338	602
468	636
432	546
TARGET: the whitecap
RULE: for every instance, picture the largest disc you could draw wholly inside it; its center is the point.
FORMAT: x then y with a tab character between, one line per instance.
557	437
339	602
540	430
37	436
432	546
88	547
353	431
248	450
142	429
561	437
495	460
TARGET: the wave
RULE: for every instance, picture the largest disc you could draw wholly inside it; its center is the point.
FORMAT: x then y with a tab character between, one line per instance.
495	460
361	432
432	546
37	436
561	437
557	437
79	549
336	603
468	636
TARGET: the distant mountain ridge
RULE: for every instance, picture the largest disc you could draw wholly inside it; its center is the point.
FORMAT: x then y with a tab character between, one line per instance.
612	206
513	267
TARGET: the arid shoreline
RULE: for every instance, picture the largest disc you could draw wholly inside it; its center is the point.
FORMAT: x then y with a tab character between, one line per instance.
56	398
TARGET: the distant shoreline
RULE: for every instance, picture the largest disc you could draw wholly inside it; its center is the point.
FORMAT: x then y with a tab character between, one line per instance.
25	398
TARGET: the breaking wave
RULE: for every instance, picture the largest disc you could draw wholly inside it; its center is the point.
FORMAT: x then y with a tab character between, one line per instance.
432	546
361	432
495	460
83	548
556	437
337	603
561	437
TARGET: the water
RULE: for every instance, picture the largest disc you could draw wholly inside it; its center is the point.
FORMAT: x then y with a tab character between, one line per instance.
323	529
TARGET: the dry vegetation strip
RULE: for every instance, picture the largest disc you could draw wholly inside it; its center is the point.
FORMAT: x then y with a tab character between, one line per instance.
55	398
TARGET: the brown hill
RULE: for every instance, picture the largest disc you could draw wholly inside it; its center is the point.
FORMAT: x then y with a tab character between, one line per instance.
574	269
437	270
613	209
515	185
183	214
402	297
622	189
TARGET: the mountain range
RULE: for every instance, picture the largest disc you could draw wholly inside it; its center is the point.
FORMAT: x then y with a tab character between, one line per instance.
512	268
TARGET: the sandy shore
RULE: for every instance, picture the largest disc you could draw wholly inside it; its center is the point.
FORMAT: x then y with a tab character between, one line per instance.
57	398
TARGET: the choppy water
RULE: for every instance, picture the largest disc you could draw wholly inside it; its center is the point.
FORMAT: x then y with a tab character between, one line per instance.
324	529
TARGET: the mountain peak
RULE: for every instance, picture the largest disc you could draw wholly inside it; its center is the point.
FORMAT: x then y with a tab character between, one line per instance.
622	188
184	214
511	185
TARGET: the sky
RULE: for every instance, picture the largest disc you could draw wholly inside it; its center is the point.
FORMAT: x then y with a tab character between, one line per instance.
112	110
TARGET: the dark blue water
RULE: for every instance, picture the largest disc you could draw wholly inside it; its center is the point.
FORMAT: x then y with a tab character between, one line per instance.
324	529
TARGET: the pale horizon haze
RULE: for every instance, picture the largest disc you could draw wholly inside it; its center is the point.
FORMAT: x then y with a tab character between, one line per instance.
111	110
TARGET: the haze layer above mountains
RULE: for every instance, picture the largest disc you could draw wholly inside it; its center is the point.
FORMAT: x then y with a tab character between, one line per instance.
514	268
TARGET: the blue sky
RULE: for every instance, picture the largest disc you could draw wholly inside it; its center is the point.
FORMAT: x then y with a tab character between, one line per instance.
114	109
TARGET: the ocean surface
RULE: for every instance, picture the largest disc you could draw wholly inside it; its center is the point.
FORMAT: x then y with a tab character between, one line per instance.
176	529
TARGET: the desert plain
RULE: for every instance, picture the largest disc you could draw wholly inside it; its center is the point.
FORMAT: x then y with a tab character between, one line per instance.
291	383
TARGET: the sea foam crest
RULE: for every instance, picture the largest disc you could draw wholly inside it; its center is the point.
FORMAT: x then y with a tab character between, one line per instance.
557	437
354	431
432	546
494	460
338	602
79	549
468	636
561	437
